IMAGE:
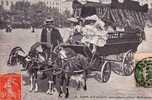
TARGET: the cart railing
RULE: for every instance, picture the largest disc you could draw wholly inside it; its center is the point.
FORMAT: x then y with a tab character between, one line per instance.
124	37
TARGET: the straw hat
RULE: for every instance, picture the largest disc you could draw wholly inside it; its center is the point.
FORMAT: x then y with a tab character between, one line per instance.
74	20
49	20
93	18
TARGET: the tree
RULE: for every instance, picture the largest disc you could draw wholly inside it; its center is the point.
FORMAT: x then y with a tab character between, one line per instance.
35	14
38	13
21	5
20	9
2	12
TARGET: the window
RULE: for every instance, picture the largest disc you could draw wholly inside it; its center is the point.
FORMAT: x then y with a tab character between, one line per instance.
11	2
2	2
121	1
7	3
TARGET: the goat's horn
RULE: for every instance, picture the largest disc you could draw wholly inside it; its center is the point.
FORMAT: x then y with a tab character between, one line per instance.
22	50
19	49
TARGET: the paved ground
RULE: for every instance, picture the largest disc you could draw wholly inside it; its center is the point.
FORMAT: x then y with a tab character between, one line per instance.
118	88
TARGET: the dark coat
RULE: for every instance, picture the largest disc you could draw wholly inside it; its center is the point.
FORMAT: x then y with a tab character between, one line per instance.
55	37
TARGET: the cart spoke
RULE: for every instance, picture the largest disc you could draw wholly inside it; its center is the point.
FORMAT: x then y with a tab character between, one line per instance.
128	63
106	71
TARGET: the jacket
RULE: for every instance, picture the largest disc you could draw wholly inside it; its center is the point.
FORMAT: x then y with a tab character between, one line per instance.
55	37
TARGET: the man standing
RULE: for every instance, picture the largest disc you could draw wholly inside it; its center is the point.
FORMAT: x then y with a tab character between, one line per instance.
50	35
50	38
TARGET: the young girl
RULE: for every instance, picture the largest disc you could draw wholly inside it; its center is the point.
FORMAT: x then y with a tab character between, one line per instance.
94	32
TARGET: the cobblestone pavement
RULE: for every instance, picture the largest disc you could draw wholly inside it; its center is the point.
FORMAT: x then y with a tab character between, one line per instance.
118	87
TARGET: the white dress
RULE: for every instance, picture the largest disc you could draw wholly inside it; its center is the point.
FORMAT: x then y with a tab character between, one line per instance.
94	36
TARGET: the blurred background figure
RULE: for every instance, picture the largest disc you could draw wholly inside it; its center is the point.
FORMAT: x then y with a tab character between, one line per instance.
9	28
33	28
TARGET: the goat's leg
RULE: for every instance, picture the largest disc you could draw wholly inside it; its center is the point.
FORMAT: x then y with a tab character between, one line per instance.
85	81
65	88
31	82
51	83
36	87
84	84
58	86
50	89
58	90
35	82
78	85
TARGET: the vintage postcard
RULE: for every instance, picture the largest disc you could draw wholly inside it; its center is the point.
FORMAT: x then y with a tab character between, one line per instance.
76	49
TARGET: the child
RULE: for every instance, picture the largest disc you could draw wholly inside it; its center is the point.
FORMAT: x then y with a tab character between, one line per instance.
94	32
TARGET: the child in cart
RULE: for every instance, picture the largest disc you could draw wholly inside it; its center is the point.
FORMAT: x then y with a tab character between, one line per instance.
94	32
76	32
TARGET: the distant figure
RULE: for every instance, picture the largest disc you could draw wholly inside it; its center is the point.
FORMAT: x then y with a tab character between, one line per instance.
50	35
33	28
8	28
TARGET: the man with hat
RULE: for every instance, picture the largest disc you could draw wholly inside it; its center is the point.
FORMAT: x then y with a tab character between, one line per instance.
50	38
50	35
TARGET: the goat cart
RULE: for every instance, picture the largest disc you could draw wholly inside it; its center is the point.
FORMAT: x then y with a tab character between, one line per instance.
116	55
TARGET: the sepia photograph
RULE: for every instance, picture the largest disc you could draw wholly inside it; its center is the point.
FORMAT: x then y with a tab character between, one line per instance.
75	49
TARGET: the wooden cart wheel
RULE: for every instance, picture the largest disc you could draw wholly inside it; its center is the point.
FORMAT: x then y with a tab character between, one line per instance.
128	63
105	71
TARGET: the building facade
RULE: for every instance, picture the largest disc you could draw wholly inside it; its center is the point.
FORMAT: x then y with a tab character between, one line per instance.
61	5
7	3
67	6
53	4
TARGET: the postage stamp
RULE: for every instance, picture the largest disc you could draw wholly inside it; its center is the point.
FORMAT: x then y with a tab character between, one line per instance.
10	86
143	70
